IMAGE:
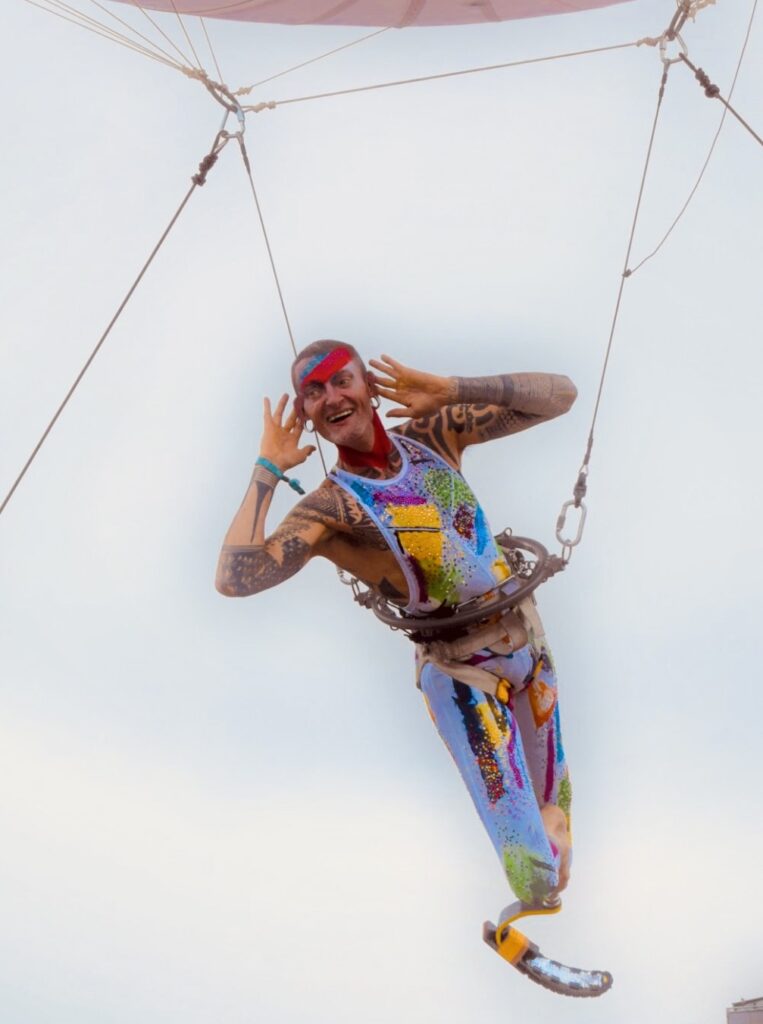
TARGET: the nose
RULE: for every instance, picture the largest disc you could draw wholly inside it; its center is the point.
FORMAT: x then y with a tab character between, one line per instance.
332	394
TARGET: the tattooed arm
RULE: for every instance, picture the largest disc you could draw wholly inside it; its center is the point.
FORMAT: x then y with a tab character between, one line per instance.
484	408
449	413
249	561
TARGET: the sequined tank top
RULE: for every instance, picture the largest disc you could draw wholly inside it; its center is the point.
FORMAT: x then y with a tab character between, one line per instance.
433	524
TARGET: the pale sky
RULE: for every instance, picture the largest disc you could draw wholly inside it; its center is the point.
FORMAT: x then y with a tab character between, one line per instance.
238	810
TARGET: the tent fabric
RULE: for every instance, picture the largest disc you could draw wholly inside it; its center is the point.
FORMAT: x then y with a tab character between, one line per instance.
373	13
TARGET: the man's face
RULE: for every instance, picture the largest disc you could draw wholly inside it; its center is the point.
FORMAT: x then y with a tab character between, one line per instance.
340	406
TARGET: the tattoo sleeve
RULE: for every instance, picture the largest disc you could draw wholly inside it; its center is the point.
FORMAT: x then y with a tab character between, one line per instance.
491	407
539	394
250	561
248	568
263	484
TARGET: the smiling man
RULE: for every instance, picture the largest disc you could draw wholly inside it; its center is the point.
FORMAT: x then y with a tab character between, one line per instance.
396	512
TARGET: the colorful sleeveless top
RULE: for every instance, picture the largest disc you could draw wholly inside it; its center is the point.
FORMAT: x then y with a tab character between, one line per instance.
433	524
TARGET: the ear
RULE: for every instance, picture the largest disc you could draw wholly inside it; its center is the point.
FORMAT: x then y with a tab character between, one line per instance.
299	408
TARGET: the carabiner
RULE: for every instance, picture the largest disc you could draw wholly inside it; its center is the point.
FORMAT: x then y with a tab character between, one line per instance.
667	61
566	542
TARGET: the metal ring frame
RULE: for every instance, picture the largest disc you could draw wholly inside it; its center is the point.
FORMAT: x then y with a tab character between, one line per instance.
480	609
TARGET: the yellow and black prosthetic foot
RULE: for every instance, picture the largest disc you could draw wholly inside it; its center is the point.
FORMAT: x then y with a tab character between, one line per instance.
517	949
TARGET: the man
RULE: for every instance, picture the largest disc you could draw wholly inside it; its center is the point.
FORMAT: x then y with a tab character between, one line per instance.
396	513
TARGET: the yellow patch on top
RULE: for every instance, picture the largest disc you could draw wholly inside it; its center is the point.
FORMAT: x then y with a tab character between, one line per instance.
425	546
415	516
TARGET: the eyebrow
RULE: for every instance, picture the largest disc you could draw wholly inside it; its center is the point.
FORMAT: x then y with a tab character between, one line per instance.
332	378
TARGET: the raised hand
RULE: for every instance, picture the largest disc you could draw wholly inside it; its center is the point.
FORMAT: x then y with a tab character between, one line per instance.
418	393
280	440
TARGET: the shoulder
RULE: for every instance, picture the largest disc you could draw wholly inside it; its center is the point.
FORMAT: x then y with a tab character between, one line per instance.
435	432
330	505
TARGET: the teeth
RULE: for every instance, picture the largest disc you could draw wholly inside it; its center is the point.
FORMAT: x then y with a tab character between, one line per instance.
340	416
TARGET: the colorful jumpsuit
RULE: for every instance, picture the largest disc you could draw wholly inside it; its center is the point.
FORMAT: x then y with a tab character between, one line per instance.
509	755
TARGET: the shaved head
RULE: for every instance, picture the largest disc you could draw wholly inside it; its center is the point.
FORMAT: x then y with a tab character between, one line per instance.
321	348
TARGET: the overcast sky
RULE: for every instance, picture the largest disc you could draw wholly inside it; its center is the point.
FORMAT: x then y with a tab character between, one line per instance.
238	810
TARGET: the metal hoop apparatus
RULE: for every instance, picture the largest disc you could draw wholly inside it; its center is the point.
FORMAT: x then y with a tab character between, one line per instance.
531	572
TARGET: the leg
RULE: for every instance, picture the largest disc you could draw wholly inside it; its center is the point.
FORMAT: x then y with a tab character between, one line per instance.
485	742
536	710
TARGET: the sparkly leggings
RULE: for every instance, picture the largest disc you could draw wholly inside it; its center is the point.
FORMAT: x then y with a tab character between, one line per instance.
510	757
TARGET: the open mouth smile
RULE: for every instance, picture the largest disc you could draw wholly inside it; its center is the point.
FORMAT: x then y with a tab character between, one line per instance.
339	417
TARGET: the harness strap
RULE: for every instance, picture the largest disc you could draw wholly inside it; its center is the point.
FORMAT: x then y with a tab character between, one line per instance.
513	630
472	675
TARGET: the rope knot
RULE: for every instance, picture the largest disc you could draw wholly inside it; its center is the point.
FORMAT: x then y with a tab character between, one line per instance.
711	91
257	108
205	167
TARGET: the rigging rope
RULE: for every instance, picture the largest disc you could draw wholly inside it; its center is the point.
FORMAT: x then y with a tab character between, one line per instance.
246	90
271	104
159	29
211	49
104	31
198	179
248	168
185	33
128	26
714	93
691	195
581	484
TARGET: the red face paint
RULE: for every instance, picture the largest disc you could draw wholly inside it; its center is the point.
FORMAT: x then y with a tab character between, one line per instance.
322	367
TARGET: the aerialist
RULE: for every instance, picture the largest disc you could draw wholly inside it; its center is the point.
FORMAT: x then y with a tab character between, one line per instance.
396	513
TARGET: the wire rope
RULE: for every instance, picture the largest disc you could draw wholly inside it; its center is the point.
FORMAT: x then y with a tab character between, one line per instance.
102	30
683	209
211	49
276	278
580	486
442	75
198	179
199	65
245	90
161	31
131	28
714	93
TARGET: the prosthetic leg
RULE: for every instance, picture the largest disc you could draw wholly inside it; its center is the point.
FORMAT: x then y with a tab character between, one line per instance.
510	755
520	952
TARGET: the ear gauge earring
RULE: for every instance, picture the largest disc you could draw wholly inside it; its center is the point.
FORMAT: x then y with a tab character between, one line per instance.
375	401
311	428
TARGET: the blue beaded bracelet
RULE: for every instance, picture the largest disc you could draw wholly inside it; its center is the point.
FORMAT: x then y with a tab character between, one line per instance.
267	464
